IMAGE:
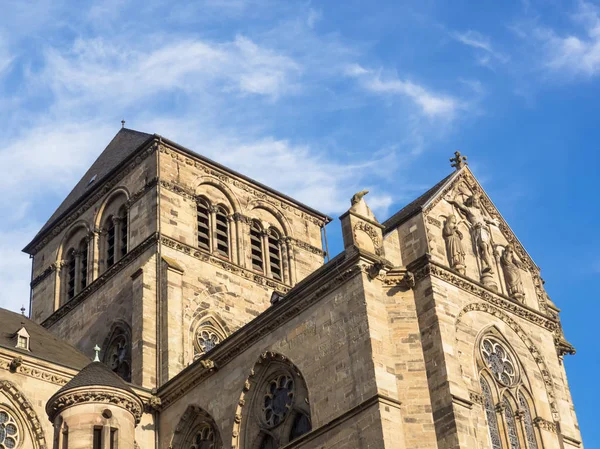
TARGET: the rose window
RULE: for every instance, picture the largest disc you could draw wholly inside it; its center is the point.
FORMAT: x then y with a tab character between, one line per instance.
499	361
278	399
9	432
206	340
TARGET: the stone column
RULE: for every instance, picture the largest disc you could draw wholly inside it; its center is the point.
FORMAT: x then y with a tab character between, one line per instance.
212	210
232	230
95	254
77	276
117	247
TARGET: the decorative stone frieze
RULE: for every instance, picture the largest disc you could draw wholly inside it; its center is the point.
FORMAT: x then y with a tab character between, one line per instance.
543	424
495	298
94	394
224	264
372	233
43	275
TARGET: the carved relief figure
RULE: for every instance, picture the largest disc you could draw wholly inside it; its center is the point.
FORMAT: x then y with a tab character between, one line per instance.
453	237
511	266
472	210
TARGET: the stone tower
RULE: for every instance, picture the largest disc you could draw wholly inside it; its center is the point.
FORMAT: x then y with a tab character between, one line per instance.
154	238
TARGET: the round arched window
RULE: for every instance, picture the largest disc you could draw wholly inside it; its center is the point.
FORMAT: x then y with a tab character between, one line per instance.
9	431
500	361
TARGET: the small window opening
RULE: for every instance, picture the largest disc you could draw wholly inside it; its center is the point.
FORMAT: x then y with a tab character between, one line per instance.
114	434
110	243
97	442
222	230
203	226
84	263
71	267
274	255
256	247
92	179
123	216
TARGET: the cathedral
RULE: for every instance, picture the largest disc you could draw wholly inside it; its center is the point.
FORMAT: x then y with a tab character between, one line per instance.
178	304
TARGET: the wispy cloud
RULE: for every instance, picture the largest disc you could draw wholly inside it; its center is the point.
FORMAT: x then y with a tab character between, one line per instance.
430	103
482	44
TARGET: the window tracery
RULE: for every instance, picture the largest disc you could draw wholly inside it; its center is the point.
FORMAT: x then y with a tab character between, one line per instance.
9	431
205	339
511	425
204	437
500	378
499	361
278	411
528	422
118	354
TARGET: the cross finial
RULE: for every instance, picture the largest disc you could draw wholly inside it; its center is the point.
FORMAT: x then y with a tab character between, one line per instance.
122	123
458	161
97	350
23	310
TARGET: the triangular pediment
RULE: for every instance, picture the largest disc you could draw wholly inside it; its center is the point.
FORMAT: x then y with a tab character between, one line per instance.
460	187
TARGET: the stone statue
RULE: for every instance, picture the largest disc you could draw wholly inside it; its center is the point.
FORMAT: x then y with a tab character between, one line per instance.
512	275
360	207
453	237
472	210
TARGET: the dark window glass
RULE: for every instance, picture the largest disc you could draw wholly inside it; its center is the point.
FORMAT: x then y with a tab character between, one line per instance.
114	434
84	263
490	413
203	226
301	426
71	275
124	230
110	243
97	443
267	443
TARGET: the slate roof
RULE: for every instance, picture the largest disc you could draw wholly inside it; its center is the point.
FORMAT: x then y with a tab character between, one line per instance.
96	374
414	207
42	343
123	145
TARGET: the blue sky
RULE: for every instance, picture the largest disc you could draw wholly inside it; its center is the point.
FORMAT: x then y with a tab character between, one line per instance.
319	100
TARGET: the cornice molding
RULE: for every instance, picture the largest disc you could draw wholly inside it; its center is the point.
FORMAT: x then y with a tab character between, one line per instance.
204	256
73	213
43	275
431	268
33	370
226	178
95	394
301	297
101	280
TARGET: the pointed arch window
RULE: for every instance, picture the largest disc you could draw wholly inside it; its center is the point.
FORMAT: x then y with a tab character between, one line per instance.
490	413
511	425
118	353
527	422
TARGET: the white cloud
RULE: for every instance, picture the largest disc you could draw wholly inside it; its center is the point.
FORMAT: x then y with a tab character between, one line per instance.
431	104
577	53
314	16
97	70
482	44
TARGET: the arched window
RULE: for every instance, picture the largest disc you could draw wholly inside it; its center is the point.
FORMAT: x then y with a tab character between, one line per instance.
197	430
256	246
503	370
71	271
490	413
274	253
123	231
222	232
110	242
83	263
511	425
117	355
9	430
204	437
278	410
528	422
206	337
203	214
